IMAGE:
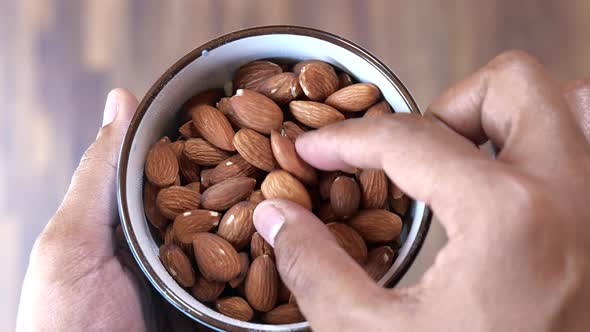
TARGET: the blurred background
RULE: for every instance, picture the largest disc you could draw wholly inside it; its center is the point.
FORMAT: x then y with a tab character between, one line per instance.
59	59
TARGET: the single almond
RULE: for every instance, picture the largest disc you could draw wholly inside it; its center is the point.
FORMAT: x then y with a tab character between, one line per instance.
214	127
283	314
235	307
175	200
345	196
150	193
255	148
326	214
314	114
373	188
161	165
326	180
256	197
281	88
169	235
237	225
178	148
262	284
318	81
189	170
350	241
344	80
232	167
207	291
208	97
187	224
259	247
204	153
227	193
354	98
244	266
281	184
284	152
177	264
400	205
206	177
187	130
394	191
292	130
379	109
251	75
379	260
299	65
251	109
377	225
216	258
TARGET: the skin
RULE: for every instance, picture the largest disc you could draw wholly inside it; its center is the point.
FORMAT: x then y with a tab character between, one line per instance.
516	257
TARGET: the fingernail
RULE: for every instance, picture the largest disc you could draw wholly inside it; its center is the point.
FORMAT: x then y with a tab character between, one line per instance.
268	221
111	108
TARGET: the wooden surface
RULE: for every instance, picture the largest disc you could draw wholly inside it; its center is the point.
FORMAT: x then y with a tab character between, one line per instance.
59	58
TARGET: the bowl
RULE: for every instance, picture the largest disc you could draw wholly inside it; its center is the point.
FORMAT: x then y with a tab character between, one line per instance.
210	66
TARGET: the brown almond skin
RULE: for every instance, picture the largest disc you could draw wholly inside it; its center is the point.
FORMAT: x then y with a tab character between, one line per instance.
177	264
189	171
207	291
380	109
161	165
216	258
187	224
214	127
283	314
318	81
345	196
281	88
281	184
297	67
251	75
175	200
187	130
232	167
256	197
204	153
326	214
225	194
291	130
314	114
284	152
206	177
235	307
350	241
394	191
262	284
251	109
344	80
259	247
354	98
379	260
325	185
376	225
400	205
284	292
374	185
169	235
237	225
255	148
150	193
244	266
178	148
208	97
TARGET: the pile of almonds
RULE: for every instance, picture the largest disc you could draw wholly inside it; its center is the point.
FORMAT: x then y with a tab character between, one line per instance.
234	152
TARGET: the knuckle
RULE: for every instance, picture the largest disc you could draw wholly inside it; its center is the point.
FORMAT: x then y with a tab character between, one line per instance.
513	58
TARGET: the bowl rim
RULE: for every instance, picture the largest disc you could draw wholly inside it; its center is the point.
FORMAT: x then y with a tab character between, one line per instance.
170	73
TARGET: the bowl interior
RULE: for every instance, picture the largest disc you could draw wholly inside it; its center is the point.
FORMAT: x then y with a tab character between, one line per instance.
212	68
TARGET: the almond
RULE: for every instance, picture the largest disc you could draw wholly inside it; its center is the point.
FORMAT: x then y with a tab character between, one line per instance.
259	247
345	196
169	235
232	167
374	188
377	225
207	291
161	165
262	284
354	98
244	266
254	110
175	200
283	314
326	214
187	224
378	262
297	67
178	148
150	193
214	127
318	81
225	194
209	97
292	130
187	130
235	307
344	80
400	205
206	177
251	75
204	153
379	109
284	292
177	264
314	114
281	184
281	88
284	152
394	191
237	226
216	258
255	148
256	197
350	241
189	171
224	106
326	180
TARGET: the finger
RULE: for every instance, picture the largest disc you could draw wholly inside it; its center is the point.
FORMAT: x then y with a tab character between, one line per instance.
577	94
327	283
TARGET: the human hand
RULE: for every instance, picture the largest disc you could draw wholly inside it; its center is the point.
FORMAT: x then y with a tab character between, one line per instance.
517	255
